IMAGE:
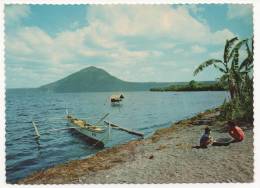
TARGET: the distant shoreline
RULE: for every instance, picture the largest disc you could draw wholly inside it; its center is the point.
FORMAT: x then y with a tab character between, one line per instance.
193	86
36	89
168	151
187	90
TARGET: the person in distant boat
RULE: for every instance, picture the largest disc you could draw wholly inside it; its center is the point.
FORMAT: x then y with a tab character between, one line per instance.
122	96
235	132
206	139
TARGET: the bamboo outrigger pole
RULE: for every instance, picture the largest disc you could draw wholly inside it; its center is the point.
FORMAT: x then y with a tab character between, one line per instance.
124	129
36	130
101	119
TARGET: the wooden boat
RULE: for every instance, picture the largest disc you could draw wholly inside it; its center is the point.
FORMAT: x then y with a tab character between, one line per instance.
97	134
116	99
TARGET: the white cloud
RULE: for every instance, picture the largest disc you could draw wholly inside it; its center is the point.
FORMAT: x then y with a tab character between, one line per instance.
153	21
14	13
106	24
105	37
198	49
238	11
195	8
220	37
30	43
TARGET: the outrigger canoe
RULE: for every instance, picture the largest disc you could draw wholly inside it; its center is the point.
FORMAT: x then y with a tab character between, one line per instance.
97	134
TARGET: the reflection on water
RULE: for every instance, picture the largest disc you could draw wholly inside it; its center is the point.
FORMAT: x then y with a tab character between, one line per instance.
141	111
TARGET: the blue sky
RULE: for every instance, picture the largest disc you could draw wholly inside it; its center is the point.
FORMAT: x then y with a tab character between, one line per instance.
45	43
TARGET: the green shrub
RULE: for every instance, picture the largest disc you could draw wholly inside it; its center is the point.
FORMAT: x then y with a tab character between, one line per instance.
237	109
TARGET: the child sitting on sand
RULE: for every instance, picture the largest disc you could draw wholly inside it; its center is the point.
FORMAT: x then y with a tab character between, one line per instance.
206	139
235	132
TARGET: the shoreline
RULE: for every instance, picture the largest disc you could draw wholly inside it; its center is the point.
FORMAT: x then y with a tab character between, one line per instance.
166	156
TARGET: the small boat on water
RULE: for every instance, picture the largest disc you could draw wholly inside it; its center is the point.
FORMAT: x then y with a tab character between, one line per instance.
116	99
97	134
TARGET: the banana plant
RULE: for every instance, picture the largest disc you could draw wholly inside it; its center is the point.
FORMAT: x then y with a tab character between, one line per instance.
222	65
242	72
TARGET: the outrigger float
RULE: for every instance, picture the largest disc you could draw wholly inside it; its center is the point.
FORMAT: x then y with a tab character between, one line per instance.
98	134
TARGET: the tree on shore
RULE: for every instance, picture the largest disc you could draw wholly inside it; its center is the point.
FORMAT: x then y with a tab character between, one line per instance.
236	74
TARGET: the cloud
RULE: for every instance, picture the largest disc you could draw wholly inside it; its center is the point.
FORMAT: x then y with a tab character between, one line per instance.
173	23
195	8
14	13
238	11
117	38
198	49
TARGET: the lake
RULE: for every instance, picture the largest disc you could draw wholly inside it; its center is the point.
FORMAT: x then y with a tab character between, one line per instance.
141	111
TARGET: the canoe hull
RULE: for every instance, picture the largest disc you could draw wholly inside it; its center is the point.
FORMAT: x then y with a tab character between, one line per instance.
96	138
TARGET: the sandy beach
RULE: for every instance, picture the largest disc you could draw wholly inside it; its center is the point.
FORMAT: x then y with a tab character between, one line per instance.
165	157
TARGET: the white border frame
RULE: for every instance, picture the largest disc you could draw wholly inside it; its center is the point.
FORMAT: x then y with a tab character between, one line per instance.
256	4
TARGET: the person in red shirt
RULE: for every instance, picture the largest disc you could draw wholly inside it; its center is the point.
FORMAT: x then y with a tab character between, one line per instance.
235	132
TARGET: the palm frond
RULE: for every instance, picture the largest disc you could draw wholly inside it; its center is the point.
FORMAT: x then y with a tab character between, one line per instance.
252	44
244	73
248	49
219	68
235	61
224	77
250	67
237	76
244	64
223	80
206	64
249	59
236	48
228	46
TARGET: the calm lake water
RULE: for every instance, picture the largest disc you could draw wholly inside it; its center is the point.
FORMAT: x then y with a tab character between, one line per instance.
141	111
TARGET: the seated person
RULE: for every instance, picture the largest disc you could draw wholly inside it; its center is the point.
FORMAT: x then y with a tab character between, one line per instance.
235	132
206	139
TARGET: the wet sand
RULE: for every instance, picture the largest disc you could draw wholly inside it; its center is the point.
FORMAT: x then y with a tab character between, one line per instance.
165	157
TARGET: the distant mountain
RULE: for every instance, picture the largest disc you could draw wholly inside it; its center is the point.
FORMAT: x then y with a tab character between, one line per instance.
96	79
